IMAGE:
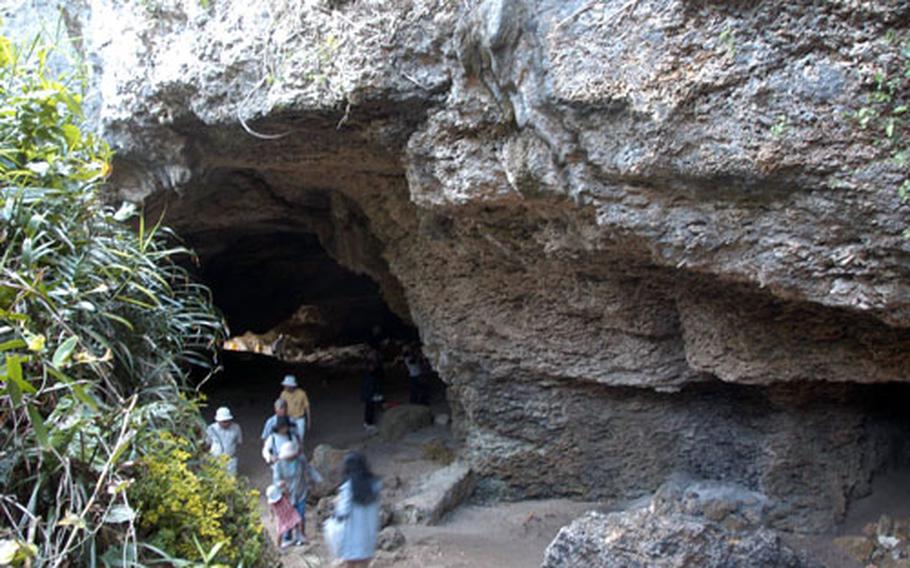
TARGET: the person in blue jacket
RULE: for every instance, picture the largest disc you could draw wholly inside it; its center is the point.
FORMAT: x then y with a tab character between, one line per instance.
357	508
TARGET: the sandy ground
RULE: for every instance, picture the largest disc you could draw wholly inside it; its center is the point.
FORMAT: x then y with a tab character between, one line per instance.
503	535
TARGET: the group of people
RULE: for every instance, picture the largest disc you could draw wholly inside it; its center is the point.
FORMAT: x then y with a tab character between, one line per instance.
374	376
355	522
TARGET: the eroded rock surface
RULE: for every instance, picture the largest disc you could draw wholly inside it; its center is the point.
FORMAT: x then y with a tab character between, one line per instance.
687	523
637	238
443	491
642	539
403	419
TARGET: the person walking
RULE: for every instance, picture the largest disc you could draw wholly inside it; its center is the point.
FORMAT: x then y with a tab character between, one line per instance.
281	410
371	393
292	473
283	431
224	435
298	405
417	373
357	509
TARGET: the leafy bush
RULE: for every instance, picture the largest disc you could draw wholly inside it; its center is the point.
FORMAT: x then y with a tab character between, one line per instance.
98	326
190	502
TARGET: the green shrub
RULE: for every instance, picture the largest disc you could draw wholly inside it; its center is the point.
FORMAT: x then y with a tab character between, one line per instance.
98	326
189	501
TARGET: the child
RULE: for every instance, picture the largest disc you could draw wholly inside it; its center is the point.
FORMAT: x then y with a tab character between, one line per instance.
292	473
286	516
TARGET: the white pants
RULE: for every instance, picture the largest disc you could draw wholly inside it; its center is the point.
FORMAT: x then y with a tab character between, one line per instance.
232	466
300	424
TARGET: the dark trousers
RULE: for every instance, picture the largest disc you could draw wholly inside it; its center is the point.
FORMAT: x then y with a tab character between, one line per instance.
369	413
419	393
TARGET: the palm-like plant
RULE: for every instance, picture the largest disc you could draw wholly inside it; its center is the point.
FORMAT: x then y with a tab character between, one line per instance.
98	325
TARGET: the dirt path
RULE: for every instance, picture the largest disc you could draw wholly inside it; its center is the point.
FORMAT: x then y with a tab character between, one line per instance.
507	535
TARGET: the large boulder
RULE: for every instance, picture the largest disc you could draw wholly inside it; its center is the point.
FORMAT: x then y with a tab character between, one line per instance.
390	539
442	491
400	420
645	539
329	462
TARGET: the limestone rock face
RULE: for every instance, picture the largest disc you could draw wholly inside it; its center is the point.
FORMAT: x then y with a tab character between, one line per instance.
687	523
403	419
642	539
637	238
329	462
443	491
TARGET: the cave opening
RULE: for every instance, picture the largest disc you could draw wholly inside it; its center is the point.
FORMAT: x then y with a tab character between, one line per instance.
291	308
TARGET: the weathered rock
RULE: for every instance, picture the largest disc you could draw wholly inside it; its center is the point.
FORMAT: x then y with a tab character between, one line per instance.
859	548
884	544
643	539
325	508
440	493
390	539
766	439
403	419
329	462
729	505
386	515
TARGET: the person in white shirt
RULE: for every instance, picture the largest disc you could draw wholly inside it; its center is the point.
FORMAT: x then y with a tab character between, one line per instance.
224	437
282	431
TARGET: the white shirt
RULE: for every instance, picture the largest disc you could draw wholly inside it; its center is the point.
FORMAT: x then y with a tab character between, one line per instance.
224	440
415	369
273	443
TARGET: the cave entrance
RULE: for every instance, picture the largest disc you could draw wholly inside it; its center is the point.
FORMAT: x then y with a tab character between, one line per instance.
293	309
282	294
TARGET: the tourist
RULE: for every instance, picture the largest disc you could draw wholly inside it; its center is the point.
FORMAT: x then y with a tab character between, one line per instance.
298	409
287	519
417	373
371	393
357	509
281	409
292	473
224	436
283	431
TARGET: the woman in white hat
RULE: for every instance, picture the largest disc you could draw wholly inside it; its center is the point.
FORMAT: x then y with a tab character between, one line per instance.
292	473
224	436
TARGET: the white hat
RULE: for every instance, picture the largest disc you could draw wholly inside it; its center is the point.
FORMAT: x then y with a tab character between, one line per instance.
288	450
223	414
273	494
289	381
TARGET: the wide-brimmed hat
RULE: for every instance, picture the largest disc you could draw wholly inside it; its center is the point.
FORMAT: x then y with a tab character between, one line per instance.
288	450
289	381
223	414
273	494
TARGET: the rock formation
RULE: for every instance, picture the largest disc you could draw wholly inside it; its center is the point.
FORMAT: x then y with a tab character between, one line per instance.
637	237
683	526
